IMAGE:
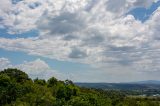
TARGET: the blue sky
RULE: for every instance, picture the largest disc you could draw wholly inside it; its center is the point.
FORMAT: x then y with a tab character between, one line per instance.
142	13
83	40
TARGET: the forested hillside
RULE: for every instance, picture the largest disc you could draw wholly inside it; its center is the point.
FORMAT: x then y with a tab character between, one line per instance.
17	89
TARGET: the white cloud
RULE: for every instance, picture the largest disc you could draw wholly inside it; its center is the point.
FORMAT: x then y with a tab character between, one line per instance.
154	23
23	15
35	69
4	63
40	69
95	32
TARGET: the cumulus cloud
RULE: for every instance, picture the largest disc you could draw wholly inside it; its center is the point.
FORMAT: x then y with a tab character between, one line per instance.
35	69
4	63
96	32
22	15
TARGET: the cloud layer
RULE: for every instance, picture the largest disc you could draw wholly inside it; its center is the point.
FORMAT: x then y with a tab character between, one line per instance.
96	32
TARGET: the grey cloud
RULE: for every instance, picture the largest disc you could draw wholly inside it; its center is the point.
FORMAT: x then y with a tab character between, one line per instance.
70	37
123	6
64	23
91	33
122	49
15	1
115	5
93	40
143	3
77	53
34	5
91	5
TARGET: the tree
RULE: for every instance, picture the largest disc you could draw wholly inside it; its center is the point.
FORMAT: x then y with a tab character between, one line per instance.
15	74
68	82
40	81
52	82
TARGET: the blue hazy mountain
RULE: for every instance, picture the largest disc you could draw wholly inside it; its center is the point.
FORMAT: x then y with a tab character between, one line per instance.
149	84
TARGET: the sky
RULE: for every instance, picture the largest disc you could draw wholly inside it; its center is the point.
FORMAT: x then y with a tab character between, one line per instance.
82	40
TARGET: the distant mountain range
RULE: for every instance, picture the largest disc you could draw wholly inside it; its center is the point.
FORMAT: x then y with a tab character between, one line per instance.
149	84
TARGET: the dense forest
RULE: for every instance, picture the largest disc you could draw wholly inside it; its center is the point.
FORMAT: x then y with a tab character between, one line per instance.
17	89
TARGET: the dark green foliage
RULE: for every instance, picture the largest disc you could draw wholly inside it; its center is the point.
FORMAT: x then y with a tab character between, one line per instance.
52	82
16	89
15	74
40	81
68	82
4	80
13	84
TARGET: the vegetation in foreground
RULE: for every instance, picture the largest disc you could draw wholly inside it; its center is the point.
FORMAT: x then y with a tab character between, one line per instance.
17	89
